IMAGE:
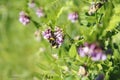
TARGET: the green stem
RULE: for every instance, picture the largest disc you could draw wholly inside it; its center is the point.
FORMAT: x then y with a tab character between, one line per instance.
71	39
37	25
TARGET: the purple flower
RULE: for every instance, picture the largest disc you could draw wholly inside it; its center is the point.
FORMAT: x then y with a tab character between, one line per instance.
81	52
40	12
47	33
86	49
73	17
58	33
55	37
24	18
93	51
31	4
103	57
98	54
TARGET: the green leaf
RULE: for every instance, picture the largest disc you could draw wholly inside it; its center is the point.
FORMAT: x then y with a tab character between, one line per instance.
115	19
107	17
72	51
99	66
107	76
69	78
108	14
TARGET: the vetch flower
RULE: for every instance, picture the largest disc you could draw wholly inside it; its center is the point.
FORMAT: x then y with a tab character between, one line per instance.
98	54
93	51
24	18
40	12
31	4
47	33
81	52
103	57
58	33
55	37
73	16
86	49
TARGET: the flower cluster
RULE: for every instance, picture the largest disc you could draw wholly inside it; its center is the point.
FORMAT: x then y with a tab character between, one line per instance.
39	12
73	16
24	18
93	51
55	37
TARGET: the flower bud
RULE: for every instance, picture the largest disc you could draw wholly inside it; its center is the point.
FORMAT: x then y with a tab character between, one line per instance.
82	71
39	12
37	35
55	37
31	4
73	17
24	18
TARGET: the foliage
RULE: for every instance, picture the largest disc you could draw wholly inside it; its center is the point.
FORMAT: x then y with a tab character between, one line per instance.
23	58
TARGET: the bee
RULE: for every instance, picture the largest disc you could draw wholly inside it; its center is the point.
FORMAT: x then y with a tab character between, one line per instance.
53	42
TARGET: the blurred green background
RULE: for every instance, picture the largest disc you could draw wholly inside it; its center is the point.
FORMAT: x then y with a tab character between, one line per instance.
17	43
